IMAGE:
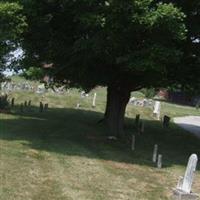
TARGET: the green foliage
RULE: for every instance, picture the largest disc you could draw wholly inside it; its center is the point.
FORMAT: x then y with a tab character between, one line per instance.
105	43
149	92
12	25
33	73
12	22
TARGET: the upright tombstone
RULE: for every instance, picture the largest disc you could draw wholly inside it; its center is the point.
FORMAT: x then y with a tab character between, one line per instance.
29	103
41	107
78	105
94	100
25	104
166	120
156	110
12	102
155	153
183	190
159	162
133	143
141	127
137	119
46	106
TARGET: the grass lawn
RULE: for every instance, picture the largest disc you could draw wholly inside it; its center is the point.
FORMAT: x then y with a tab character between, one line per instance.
63	154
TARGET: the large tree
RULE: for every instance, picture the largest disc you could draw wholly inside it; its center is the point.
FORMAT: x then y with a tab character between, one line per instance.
12	24
124	45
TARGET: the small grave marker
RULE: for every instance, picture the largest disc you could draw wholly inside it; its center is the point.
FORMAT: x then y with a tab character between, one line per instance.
141	127
29	103
46	106
137	119
41	107
159	162
133	143
155	152
166	120
12	102
94	100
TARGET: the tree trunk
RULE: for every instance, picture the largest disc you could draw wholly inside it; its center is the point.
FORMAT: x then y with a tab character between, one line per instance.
117	99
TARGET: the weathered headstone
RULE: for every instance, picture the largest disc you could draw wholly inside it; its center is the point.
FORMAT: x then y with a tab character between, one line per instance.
141	127
78	105
29	103
41	107
155	153
137	119
46	106
156	110
94	100
183	190
25	104
133	143
166	120
159	162
12	102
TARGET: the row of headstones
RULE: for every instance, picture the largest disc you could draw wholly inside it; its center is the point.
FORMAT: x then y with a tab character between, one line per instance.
140	124
27	105
9	86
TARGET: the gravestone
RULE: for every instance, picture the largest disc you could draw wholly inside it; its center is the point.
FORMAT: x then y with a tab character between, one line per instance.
183	190
133	143
94	100
29	103
155	153
137	119
25	104
166	120
46	106
159	162
12	102
156	110
41	107
141	127
78	105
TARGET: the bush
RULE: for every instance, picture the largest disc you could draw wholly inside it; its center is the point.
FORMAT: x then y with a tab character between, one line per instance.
4	103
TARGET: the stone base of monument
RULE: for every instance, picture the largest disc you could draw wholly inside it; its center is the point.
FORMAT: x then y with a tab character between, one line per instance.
181	195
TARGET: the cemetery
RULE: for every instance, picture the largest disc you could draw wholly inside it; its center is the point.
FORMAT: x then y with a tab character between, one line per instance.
99	100
54	150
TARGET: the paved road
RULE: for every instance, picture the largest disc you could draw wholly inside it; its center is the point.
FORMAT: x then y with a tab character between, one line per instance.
189	123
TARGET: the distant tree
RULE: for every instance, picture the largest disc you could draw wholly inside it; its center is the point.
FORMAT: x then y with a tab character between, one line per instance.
124	45
33	73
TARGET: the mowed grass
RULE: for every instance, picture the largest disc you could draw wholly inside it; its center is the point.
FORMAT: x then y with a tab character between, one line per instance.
64	154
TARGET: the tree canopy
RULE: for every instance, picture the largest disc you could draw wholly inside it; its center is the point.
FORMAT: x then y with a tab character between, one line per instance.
124	45
12	24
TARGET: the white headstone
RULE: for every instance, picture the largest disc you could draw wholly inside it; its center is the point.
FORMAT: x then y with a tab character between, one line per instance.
186	182
155	152
94	100
156	110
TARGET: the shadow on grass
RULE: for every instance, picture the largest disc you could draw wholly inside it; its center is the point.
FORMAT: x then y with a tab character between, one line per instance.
76	132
